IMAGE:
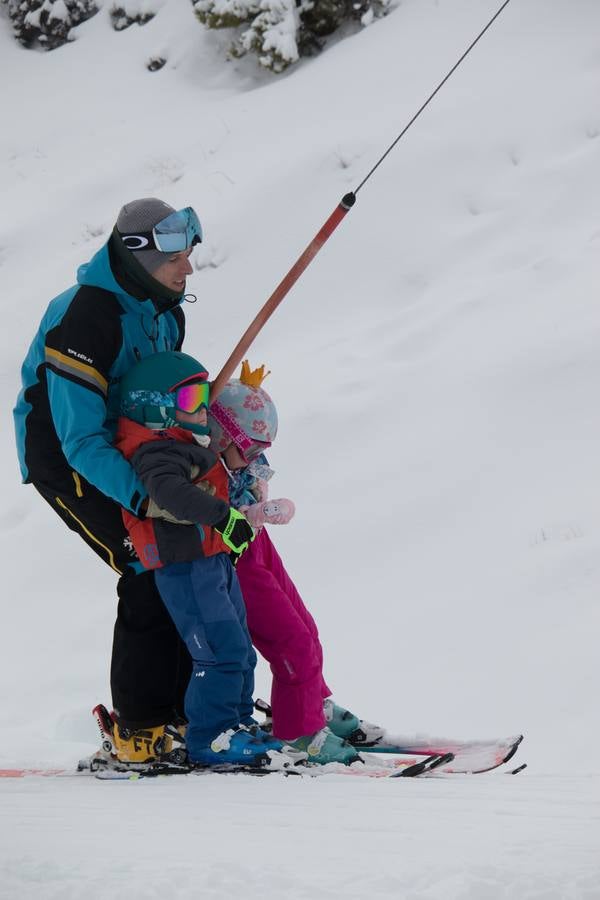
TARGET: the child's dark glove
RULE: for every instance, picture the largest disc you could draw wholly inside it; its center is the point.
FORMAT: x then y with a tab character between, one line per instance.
235	530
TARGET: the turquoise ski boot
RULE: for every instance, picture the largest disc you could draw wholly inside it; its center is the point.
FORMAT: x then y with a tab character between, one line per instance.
346	725
324	747
340	721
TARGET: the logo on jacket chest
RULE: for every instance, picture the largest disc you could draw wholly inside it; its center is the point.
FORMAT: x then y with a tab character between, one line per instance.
81	356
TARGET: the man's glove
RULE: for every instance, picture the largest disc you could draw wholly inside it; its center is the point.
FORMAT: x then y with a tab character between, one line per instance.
235	530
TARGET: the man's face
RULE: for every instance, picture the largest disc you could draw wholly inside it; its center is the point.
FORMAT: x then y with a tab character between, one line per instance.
173	273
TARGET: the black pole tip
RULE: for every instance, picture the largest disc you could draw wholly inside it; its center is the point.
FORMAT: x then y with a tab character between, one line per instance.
348	200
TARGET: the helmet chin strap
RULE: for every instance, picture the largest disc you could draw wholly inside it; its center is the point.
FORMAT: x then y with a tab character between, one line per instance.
197	430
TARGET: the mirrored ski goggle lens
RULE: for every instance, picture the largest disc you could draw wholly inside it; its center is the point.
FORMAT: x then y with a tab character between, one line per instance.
180	230
251	453
191	397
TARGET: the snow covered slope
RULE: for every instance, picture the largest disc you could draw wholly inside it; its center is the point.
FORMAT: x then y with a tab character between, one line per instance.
436	373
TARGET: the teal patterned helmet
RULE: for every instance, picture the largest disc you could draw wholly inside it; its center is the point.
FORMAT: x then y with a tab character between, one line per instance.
152	391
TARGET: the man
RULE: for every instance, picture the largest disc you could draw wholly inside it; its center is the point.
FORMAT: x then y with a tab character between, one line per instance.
125	306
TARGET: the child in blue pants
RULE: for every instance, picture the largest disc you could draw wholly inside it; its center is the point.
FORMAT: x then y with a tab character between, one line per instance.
205	602
186	537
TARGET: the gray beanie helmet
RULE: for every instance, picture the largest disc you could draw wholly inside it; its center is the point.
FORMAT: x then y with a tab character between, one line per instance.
143	215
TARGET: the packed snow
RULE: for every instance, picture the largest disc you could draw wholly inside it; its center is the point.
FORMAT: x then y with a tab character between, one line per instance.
436	371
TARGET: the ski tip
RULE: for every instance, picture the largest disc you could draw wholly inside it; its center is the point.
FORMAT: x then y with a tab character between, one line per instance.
517	770
513	749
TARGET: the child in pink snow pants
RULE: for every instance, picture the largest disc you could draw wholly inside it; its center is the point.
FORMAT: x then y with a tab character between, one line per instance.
243	424
284	632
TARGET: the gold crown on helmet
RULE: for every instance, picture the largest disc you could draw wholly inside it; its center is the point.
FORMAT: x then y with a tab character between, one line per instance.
253	377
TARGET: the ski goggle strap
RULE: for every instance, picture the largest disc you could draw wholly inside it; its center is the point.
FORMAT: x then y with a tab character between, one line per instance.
229	424
176	232
191	397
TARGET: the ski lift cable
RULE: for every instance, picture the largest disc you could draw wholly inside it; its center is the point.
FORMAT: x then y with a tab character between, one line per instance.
430	98
325	232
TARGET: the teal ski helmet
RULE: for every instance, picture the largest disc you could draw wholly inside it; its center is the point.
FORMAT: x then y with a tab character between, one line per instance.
157	386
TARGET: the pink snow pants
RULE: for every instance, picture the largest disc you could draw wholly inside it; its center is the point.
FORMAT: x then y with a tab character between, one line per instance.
284	632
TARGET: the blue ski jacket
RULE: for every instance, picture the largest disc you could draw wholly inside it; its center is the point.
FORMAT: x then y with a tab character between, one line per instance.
67	410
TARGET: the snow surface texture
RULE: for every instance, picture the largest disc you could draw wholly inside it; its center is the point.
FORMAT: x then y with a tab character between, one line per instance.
436	371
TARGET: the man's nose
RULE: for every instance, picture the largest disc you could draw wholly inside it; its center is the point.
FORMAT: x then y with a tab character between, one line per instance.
187	268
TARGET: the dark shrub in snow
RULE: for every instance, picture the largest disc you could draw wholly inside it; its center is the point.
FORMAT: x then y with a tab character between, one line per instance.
124	13
279	32
47	23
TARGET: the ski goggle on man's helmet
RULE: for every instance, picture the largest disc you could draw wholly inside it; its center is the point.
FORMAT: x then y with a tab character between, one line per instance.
176	232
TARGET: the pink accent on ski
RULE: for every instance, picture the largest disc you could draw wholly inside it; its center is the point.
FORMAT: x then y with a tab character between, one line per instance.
22	773
469	756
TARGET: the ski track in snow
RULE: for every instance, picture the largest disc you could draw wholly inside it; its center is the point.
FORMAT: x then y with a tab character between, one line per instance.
461	838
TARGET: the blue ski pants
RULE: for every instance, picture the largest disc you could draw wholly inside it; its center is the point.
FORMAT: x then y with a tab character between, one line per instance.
205	602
